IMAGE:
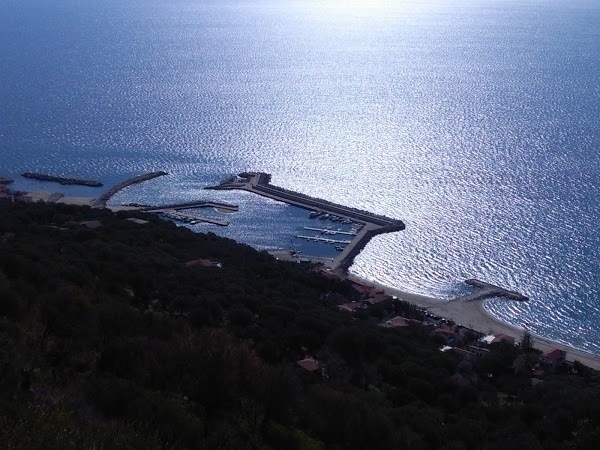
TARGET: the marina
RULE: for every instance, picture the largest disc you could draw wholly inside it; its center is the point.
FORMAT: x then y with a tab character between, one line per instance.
495	184
370	224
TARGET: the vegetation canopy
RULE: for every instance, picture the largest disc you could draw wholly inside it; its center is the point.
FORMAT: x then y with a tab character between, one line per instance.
115	334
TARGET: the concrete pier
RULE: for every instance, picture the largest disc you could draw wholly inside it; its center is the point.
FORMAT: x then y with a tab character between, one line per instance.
487	290
189	218
190	205
101	201
259	183
330	231
322	239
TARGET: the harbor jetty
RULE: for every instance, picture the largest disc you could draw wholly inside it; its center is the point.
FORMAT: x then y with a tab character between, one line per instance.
372	224
191	205
192	219
101	201
486	290
173	211
61	180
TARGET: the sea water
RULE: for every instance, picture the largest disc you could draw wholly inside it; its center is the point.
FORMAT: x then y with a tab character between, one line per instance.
477	122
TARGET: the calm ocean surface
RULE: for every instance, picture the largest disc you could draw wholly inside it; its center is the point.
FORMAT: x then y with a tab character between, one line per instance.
477	122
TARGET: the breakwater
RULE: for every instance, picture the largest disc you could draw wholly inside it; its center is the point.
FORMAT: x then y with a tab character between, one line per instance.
259	183
345	260
373	224
61	180
190	205
101	201
192	219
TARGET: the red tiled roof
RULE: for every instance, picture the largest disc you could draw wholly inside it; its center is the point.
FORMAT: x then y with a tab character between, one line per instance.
503	338
378	297
464	353
555	355
397	322
309	364
349	307
327	273
445	332
202	262
362	288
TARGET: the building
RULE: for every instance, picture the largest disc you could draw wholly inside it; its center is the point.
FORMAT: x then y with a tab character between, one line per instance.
478	351
503	338
395	322
136	220
399	321
91	224
464	354
379	300
203	263
350	307
451	338
309	364
554	358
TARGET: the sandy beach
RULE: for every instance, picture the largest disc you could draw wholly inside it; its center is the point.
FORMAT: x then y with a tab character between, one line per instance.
474	315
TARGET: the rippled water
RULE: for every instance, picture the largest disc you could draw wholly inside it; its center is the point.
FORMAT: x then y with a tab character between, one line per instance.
476	122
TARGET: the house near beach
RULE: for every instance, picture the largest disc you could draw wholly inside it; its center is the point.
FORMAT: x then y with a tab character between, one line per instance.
503	338
554	358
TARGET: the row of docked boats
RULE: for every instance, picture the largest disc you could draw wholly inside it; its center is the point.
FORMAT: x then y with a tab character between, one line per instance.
180	217
338	247
322	239
322	215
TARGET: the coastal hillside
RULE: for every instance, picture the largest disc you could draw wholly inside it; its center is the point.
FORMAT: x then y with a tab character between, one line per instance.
125	331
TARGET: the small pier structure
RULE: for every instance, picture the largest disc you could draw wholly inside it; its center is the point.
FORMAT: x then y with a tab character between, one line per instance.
487	290
322	239
373	224
173	211
192	219
191	205
330	231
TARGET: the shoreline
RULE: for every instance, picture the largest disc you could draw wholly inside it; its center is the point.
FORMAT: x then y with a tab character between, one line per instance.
471	314
474	315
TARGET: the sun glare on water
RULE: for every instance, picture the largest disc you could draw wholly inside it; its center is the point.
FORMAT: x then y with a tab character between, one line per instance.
348	5
354	4
361	7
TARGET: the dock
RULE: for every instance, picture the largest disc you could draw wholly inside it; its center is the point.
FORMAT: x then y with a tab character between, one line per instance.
173	211
330	231
189	218
101	201
487	290
191	205
322	239
372	224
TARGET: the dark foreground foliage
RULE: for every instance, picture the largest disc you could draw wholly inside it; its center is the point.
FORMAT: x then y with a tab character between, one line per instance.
108	340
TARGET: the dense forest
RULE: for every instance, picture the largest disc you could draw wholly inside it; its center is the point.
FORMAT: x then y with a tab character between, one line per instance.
112	335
